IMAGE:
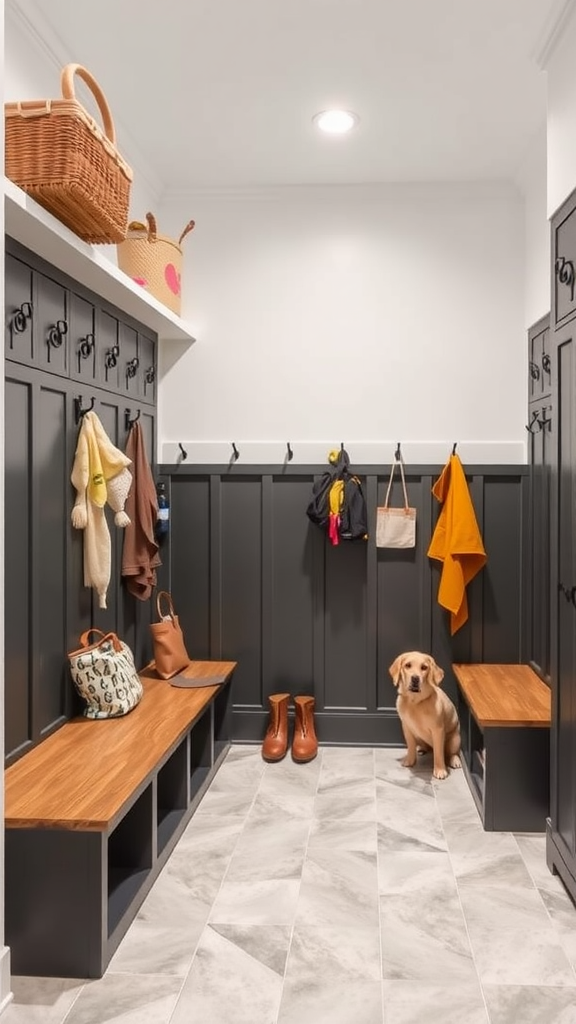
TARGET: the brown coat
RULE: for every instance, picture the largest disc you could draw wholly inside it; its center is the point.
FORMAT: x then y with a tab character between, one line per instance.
140	553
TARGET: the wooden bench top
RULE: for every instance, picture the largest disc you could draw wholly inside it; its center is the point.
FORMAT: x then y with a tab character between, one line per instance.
505	695
82	775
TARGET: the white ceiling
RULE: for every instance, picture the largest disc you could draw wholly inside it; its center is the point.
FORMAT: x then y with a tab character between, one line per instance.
220	93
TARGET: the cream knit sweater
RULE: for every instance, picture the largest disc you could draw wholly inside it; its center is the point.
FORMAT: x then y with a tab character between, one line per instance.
100	476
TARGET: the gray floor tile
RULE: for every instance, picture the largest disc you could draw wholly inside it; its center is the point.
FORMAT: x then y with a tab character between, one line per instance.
346	889
230	982
131	999
41	1000
338	888
530	1004
323	1002
408	1002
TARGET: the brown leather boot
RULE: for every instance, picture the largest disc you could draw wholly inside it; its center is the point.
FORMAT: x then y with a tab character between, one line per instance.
304	742
275	742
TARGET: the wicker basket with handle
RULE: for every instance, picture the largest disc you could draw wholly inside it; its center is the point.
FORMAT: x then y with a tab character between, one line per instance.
58	154
154	261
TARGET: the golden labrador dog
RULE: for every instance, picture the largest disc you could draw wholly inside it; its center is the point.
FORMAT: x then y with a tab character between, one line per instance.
428	717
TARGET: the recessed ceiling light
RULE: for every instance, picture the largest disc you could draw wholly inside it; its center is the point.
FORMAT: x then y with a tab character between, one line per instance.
335	122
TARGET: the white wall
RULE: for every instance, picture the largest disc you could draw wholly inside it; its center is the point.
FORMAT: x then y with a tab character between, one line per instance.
532	180
561	85
33	60
368	315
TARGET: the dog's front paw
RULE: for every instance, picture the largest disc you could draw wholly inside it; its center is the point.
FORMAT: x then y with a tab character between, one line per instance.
440	773
455	761
408	762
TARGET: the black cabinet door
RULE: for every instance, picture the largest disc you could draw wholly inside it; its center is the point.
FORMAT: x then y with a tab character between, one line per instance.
18	305
563	595
146	368
83	362
539	378
107	351
564	262
129	364
51	327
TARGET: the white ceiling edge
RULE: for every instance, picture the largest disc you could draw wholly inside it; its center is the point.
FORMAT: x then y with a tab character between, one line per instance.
28	17
557	22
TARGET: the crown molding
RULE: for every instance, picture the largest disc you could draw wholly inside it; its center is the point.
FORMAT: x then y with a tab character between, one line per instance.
554	28
27	17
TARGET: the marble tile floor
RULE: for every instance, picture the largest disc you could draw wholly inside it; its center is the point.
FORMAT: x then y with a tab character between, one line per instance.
348	890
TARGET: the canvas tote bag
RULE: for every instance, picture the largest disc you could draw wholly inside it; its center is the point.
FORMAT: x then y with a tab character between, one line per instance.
105	676
396	527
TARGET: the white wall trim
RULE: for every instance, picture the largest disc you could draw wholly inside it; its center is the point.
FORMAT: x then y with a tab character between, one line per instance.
28	17
6	994
556	24
362	453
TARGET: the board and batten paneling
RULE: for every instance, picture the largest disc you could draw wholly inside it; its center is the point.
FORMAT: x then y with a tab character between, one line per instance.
254	581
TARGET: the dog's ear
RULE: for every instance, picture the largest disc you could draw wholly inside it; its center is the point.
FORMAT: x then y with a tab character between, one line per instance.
437	673
396	668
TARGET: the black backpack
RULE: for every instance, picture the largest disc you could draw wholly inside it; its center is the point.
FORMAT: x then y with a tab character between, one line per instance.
353	518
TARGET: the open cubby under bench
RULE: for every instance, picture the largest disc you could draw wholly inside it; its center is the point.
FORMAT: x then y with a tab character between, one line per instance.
505	722
93	813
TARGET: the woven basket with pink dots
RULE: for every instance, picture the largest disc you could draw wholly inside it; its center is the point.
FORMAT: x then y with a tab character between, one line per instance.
154	261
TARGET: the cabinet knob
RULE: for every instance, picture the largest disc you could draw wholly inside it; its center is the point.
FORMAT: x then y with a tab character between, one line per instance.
132	366
86	346
150	375
57	333
565	274
534	371
546	363
112	357
21	317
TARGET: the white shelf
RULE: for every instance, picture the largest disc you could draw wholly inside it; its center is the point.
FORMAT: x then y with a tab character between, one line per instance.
32	226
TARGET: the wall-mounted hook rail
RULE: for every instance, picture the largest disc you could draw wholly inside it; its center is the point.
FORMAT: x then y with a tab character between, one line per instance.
235	452
289	452
131	421
79	411
183	452
398	453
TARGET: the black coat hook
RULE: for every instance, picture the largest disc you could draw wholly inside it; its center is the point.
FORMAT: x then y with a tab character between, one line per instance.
236	453
80	412
454	446
398	453
289	452
131	422
183	450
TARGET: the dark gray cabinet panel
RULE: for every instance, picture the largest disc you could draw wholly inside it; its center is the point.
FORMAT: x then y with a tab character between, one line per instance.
18	504
83	345
18	306
146	378
129	361
53	323
50	325
540	375
51	698
564	263
561	847
108	351
254	581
